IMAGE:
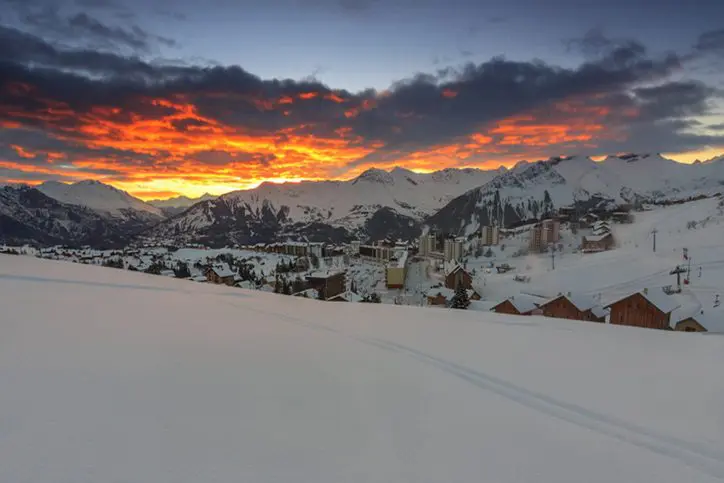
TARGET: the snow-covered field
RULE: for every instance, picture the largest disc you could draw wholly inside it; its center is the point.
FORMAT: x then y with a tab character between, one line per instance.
108	375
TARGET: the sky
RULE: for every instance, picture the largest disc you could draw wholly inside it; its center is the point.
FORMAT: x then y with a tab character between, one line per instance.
162	98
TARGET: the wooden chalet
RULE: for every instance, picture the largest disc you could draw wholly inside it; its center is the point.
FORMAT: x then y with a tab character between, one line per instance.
456	275
329	283
221	275
597	243
519	305
700	321
574	307
643	309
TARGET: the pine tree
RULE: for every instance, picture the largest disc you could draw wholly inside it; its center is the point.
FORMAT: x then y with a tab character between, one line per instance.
277	285
460	300
286	287
182	270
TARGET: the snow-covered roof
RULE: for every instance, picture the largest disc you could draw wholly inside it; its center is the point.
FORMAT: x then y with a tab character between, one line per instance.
349	296
451	267
580	301
711	318
324	273
597	238
665	303
222	271
523	303
400	259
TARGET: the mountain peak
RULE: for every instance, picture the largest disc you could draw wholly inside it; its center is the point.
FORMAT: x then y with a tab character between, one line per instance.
97	196
376	175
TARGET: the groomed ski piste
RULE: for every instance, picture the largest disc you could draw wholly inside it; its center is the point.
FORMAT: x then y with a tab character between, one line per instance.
109	375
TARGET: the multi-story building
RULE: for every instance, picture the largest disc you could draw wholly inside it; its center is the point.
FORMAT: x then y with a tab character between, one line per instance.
453	248
543	234
428	244
396	269
490	235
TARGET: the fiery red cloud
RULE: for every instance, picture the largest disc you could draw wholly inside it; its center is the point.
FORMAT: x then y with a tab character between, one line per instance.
167	146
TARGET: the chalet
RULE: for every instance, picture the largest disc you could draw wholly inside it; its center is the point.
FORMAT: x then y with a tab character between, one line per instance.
574	307
519	305
455	275
439	296
699	321
643	309
597	243
329	283
220	274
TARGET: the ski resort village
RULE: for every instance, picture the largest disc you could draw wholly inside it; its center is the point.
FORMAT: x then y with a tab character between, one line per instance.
657	266
555	324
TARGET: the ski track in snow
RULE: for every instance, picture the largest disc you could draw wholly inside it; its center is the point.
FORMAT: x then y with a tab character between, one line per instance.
693	454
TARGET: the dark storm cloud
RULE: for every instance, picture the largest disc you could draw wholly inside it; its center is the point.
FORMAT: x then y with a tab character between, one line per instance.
596	44
88	31
675	99
717	127
54	91
497	89
712	41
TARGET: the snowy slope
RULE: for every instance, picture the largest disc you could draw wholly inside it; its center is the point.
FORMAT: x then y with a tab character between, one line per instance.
29	216
399	197
530	190
99	197
119	376
180	202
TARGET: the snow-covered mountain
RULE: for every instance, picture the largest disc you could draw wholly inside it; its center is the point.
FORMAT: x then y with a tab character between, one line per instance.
530	190
180	201
174	206
374	205
102	198
29	216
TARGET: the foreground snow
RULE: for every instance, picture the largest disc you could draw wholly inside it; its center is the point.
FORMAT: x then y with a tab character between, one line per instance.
107	375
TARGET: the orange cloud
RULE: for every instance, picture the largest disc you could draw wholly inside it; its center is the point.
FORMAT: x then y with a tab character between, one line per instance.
169	146
22	152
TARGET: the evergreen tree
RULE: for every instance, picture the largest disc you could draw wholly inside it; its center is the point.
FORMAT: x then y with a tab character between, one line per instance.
460	300
297	285
277	285
286	287
314	260
182	270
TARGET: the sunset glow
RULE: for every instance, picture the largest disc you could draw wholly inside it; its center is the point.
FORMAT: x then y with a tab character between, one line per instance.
159	131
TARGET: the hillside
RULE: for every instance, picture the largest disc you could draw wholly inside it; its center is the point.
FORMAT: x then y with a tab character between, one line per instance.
142	378
29	216
99	197
374	205
530	190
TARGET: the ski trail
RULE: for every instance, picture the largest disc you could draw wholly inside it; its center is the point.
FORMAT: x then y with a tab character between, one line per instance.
696	455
